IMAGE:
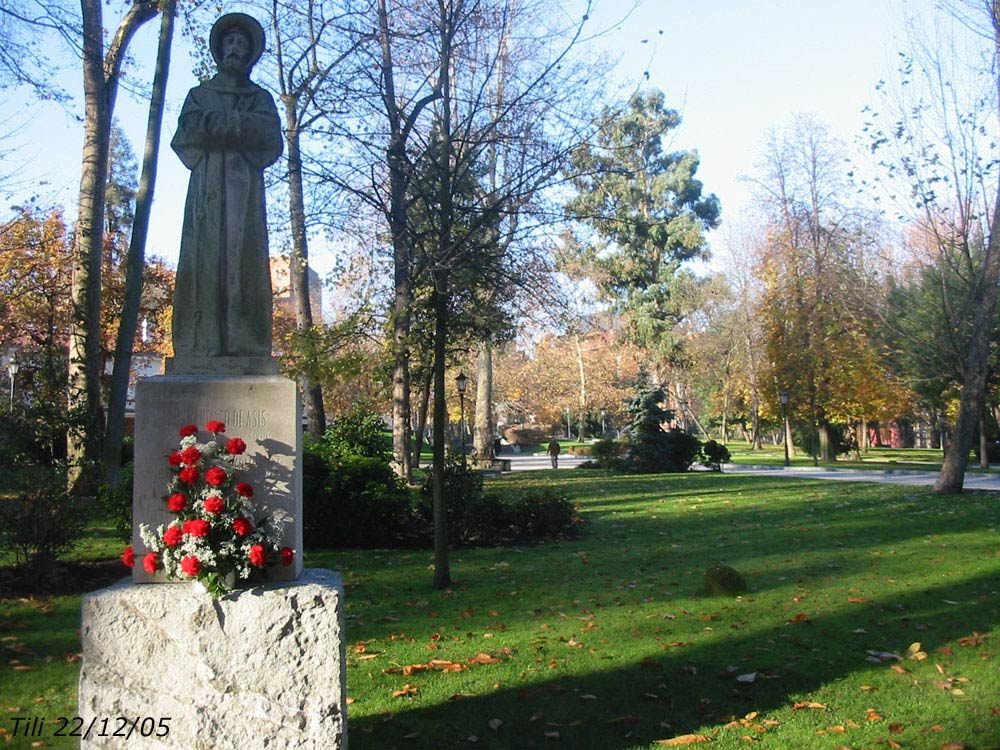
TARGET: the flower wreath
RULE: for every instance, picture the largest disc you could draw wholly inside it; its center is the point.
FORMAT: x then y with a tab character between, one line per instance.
213	538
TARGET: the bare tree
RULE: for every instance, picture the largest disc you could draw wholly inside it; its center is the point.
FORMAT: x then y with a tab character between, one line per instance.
945	111
101	71
136	258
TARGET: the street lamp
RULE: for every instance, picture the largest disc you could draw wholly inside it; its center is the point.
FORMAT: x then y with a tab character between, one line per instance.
462	383
783	397
10	360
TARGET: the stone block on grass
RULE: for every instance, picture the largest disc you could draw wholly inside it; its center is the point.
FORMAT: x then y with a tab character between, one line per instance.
263	667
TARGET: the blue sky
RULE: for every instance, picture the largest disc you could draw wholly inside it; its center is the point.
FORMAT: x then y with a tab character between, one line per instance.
733	68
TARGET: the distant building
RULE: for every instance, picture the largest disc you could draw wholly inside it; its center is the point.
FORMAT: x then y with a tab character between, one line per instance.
284	294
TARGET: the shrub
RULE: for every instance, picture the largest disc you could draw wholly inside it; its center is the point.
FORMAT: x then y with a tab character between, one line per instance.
607	453
538	513
471	515
352	501
41	522
360	432
117	502
715	454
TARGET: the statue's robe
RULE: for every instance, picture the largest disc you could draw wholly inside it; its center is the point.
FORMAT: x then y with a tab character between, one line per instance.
228	133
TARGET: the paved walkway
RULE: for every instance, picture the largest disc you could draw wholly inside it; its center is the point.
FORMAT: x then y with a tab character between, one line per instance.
973	481
536	461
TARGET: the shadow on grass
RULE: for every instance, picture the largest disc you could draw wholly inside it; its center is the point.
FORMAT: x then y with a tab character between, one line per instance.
691	687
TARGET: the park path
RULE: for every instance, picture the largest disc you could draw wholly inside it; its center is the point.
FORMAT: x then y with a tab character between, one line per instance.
536	461
913	477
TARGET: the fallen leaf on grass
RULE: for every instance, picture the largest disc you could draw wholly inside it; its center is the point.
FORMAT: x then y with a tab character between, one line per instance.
896	728
873	715
627	719
406	691
483	658
683	740
495	724
954	746
552	735
858	599
439	664
809	704
972	640
914	652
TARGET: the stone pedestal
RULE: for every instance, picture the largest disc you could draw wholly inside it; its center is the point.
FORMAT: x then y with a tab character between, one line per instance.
264	667
263	410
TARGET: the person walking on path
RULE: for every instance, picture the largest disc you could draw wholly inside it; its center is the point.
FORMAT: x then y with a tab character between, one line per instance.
554	449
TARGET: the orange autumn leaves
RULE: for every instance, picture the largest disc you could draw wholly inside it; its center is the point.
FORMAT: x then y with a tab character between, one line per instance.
436	665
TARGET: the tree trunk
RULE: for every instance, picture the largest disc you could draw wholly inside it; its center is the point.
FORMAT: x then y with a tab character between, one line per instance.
84	344
581	421
100	86
825	448
299	263
952	476
485	427
425	397
136	259
442	571
984	445
725	418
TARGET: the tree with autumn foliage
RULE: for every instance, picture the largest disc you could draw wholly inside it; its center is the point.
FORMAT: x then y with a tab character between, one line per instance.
35	316
820	279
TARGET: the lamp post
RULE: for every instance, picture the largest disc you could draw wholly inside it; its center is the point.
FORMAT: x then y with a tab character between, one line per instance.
10	360
461	382
604	429
783	397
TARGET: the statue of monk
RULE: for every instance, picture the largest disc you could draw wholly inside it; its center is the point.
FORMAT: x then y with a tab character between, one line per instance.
228	133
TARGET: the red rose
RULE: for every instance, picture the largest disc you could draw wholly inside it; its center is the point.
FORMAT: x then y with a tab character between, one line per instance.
189	429
244	489
216	476
287	556
128	556
216	426
173	536
258	555
196	527
177	502
214	505
190	456
191	565
174	459
188	475
235	447
150	561
242	526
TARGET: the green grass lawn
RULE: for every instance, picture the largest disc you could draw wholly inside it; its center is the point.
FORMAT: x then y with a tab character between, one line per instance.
606	642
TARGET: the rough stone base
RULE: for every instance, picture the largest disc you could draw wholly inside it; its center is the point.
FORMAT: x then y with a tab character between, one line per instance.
262	668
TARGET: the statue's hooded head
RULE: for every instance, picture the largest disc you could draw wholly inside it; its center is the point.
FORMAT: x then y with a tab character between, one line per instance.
237	42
